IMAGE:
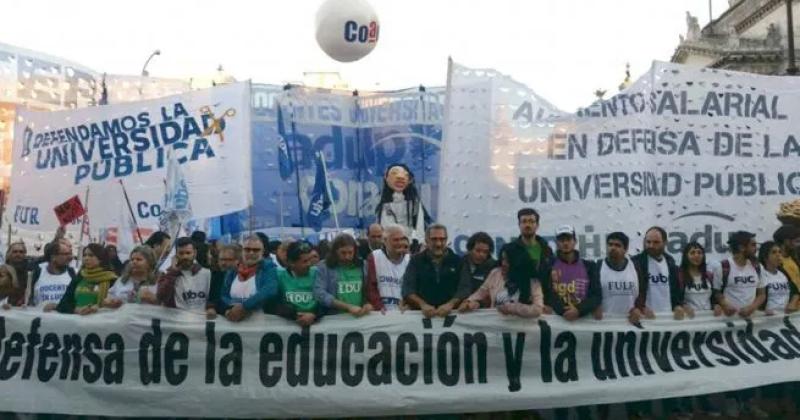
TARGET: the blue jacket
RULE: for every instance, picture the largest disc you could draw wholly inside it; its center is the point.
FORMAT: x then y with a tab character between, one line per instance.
266	287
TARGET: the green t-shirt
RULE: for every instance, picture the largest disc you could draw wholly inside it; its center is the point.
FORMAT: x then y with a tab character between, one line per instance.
297	291
535	251
86	293
349	285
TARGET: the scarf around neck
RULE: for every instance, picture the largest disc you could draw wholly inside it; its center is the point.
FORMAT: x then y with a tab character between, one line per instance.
246	272
97	275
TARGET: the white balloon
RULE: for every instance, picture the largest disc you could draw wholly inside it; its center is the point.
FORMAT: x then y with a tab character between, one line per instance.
347	30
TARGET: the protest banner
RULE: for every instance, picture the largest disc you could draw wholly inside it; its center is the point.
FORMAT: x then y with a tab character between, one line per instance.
700	152
61	153
359	137
395	364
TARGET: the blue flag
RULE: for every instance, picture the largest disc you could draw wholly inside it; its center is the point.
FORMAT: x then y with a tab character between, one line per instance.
284	160
320	203
177	209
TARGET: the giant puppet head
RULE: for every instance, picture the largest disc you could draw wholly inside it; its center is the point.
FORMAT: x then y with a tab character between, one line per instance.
398	177
400	201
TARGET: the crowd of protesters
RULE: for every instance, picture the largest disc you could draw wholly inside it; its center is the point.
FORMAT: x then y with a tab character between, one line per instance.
386	272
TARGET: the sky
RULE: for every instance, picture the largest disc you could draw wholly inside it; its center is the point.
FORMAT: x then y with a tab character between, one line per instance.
562	49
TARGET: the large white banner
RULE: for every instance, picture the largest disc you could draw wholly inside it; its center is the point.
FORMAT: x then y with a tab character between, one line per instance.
152	361
700	152
61	154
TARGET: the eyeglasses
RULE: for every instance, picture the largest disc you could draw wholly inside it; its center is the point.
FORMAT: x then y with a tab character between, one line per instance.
253	249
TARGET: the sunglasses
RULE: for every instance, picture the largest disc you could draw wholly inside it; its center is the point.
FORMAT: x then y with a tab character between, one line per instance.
252	249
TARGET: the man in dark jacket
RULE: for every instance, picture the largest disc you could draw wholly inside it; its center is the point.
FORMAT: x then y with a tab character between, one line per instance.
538	249
432	282
478	261
659	291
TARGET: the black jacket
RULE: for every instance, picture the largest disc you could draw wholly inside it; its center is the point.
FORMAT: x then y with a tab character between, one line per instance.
435	285
594	292
642	268
476	277
547	256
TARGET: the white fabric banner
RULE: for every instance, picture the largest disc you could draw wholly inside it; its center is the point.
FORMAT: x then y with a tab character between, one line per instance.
700	152
60	154
153	361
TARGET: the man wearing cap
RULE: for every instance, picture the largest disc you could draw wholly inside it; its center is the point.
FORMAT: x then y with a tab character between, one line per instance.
572	289
659	291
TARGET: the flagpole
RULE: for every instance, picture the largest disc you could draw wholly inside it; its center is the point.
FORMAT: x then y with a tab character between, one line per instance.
288	89
328	190
130	210
83	226
280	204
361	159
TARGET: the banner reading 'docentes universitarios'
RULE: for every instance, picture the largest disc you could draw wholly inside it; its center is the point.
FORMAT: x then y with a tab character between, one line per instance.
151	361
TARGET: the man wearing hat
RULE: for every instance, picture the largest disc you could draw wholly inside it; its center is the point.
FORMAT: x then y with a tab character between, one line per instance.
572	288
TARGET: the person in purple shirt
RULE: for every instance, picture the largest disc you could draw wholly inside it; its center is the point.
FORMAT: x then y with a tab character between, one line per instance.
572	290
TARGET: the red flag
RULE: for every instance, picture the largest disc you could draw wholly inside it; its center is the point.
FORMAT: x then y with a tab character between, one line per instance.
70	210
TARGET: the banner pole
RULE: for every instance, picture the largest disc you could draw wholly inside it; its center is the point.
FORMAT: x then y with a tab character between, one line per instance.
83	227
361	162
288	89
130	210
328	189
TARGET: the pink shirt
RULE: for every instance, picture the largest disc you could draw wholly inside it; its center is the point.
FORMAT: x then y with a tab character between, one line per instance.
495	285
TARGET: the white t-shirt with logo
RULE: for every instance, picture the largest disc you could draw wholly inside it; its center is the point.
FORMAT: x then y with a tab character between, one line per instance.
658	296
191	291
243	290
743	282
697	297
620	288
390	279
777	286
50	288
123	291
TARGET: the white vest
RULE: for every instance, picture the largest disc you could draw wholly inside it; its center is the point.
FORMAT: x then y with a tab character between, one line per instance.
390	278
620	289
50	288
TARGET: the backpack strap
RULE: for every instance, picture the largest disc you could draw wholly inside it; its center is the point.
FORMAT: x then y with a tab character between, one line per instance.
757	266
